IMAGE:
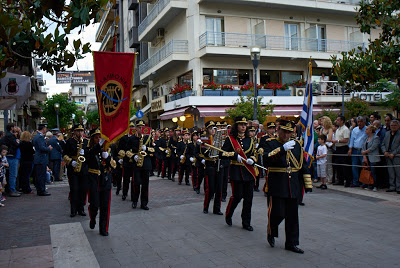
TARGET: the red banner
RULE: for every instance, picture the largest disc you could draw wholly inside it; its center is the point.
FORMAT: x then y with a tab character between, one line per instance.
113	73
146	130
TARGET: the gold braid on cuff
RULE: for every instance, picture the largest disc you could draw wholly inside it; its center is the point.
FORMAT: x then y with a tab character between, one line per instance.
307	181
121	153
274	152
228	154
67	159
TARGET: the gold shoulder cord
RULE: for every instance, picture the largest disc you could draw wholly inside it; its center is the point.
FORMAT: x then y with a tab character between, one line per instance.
250	148
292	158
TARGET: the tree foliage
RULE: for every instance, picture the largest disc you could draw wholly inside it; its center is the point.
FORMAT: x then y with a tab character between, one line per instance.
380	59
38	29
329	113
65	113
356	107
244	107
93	117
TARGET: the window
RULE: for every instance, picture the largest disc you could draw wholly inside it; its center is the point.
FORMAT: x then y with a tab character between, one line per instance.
80	90
269	76
291	36
215	28
226	76
92	89
92	100
316	32
290	77
186	79
80	100
282	77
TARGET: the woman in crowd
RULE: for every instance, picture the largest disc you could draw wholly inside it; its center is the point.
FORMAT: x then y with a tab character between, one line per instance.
370	151
26	163
353	123
328	132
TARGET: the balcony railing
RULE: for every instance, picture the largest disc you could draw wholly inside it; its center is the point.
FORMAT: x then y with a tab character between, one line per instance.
153	14
108	8
173	46
277	42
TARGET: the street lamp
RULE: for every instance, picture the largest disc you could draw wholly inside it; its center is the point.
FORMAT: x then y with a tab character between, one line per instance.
57	108
138	104
255	58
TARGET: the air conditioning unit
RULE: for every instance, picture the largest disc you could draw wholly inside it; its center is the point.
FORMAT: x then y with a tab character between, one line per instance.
160	33
300	92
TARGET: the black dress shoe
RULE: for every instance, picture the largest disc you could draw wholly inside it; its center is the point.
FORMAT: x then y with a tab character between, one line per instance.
294	249
338	183
223	200
398	192
173	179
218	213
104	233
248	228
134	204
44	194
302	204
123	197
271	240
144	207
179	183
256	190
92	224
117	192
205	211
73	214
82	213
228	221
390	190
197	191
188	183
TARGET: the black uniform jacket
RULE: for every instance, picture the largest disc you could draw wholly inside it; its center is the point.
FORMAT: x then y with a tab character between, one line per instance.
173	145
71	152
123	145
95	162
135	141
163	144
186	150
239	172
280	183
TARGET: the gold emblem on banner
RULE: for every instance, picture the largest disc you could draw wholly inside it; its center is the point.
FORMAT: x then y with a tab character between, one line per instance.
111	97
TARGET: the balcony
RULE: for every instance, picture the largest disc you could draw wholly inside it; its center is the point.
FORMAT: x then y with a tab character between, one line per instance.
321	6
105	23
133	4
273	46
173	51
136	78
107	43
159	17
133	37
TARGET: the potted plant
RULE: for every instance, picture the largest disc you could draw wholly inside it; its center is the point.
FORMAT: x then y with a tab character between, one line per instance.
211	89
266	91
279	89
248	89
186	91
228	90
299	83
180	91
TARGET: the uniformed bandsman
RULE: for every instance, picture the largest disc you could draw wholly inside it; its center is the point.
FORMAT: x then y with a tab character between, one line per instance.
166	153
158	154
224	168
271	129
74	159
125	152
239	147
286	166
173	159
117	172
252	134
100	164
184	153
142	148
193	161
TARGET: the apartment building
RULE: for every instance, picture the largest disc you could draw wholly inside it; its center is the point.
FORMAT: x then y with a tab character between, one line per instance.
197	42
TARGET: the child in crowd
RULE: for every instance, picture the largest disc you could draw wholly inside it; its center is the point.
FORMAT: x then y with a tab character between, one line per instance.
322	152
3	166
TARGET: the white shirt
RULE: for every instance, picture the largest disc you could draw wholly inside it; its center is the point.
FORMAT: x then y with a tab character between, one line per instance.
322	150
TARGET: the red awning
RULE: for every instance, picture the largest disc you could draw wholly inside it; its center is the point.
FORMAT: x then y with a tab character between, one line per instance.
212	111
173	113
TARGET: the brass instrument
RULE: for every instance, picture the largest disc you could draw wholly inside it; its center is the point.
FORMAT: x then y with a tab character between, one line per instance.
218	142
169	149
129	154
141	153
79	158
183	160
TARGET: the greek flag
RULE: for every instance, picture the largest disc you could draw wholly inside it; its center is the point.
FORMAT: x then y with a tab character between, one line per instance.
307	119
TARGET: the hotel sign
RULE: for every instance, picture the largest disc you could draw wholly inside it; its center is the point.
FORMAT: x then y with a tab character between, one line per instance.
158	104
370	96
74	77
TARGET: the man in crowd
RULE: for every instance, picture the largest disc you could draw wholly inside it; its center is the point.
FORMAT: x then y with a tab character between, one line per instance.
391	150
357	139
55	157
341	141
41	160
12	143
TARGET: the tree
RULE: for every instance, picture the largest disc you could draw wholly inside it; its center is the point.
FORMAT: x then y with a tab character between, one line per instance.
38	29
329	113
93	117
244	107
380	59
356	107
65	114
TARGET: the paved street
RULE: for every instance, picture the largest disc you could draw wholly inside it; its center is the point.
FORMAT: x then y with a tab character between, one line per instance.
336	229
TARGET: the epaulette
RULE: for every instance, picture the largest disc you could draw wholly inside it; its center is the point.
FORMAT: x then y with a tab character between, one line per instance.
270	139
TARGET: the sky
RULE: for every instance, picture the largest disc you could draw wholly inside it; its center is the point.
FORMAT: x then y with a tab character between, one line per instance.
85	64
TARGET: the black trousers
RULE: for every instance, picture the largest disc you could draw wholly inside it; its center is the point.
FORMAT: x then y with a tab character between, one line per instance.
241	190
40	178
343	172
140	186
25	170
224	171
184	170
117	177
213	184
99	199
78	186
173	166
198	173
159	166
127	174
280	209
55	166
257	183
166	168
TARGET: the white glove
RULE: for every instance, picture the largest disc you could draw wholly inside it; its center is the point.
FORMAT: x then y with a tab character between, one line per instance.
144	147
203	162
181	157
82	152
136	157
289	145
249	161
175	151
104	155
120	161
257	145
101	141
199	142
166	151
154	144
191	159
74	163
239	158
